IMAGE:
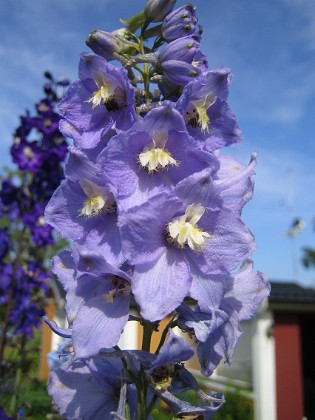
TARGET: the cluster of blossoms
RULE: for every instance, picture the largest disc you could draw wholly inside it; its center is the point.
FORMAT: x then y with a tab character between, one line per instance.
39	150
153	211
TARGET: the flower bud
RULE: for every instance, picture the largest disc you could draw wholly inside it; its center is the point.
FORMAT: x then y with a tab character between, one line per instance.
183	49
176	61
179	72
179	23
156	10
106	44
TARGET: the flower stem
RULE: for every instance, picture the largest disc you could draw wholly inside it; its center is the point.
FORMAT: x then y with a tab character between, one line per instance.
164	333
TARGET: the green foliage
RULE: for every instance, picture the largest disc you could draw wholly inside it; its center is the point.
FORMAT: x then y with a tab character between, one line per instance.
308	258
308	254
21	372
33	396
34	399
236	407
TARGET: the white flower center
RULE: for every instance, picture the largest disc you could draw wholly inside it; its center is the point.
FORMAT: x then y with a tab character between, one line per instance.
196	113
47	122
184	231
28	153
92	206
156	157
41	221
107	93
97	201
102	95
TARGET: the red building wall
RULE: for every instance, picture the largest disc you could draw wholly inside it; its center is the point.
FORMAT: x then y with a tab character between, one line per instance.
289	380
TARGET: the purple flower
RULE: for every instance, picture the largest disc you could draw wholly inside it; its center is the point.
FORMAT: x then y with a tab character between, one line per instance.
45	107
231	187
34	219
218	329
6	273
10	194
208	117
27	155
3	415
47	124
167	247
42	233
148	159
167	375
27	286
175	350
5	243
201	61
87	389
84	208
101	99
98	299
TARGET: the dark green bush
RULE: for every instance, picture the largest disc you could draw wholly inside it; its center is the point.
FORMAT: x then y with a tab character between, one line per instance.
35	400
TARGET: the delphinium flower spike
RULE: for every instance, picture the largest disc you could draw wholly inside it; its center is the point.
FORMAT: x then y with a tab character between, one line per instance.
154	211
38	150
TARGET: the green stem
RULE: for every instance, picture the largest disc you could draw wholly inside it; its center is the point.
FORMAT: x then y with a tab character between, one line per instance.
146	70
151	405
164	334
18	378
14	398
142	383
148	329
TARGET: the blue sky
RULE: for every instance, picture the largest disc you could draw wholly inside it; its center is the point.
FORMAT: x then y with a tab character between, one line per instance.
270	47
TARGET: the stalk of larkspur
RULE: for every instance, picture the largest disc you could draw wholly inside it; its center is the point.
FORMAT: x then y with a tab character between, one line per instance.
38	149
148	329
154	213
146	75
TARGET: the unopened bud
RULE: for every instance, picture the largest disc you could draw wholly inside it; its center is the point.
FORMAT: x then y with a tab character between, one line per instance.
106	44
183	49
181	22
156	10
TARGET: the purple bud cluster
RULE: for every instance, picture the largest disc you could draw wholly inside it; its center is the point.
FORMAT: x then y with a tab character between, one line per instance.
38	150
179	23
153	210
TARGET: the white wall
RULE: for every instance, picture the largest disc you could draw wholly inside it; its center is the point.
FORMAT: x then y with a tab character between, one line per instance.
264	376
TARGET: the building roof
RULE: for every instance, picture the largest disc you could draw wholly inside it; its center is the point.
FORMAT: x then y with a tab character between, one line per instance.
285	292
